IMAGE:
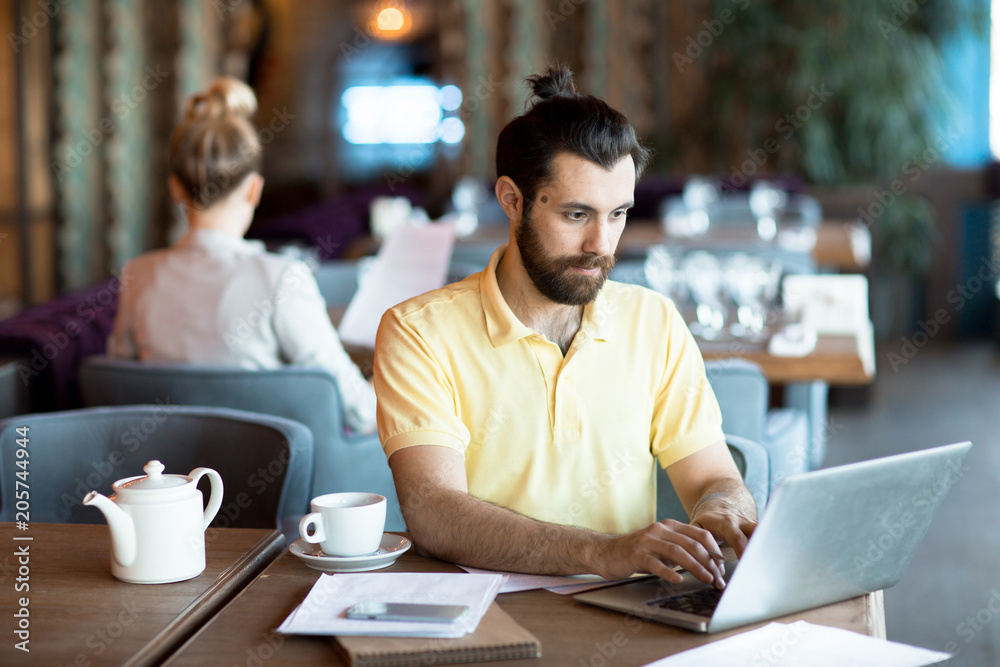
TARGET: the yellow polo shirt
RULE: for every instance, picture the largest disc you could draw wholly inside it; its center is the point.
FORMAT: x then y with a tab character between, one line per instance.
570	440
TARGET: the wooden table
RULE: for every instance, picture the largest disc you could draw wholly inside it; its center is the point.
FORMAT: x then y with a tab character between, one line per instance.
836	360
80	615
571	633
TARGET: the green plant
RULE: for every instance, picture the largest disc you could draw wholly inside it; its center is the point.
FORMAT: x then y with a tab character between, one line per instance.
888	98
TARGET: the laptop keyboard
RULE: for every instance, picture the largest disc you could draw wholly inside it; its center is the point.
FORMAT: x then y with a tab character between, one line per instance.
701	602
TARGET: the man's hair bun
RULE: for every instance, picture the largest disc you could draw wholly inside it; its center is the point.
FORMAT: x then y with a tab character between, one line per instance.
557	81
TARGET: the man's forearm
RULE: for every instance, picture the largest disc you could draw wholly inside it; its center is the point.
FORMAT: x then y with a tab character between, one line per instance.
460	528
726	495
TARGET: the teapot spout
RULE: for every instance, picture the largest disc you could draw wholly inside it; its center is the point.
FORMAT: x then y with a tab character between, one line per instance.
123	547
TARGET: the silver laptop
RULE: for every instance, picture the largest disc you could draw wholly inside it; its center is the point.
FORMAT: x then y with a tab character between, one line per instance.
826	536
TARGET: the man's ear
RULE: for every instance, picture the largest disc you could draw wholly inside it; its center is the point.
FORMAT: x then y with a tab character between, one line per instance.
510	198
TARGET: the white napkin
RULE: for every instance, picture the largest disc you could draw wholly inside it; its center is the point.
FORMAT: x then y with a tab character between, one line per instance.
322	612
794	340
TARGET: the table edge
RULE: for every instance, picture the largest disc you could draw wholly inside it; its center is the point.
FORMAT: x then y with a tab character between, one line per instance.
875	612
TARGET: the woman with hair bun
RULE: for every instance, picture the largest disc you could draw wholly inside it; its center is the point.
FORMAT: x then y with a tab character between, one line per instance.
214	297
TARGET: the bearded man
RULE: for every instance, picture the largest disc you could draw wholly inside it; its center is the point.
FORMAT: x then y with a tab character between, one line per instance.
524	409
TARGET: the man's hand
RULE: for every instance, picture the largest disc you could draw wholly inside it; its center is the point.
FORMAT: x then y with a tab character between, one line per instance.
717	513
714	495
660	547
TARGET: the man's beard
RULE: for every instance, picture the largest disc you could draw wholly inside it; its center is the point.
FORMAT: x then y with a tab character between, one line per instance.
554	277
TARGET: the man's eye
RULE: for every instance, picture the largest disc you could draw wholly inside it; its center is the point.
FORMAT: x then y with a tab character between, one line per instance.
576	215
619	215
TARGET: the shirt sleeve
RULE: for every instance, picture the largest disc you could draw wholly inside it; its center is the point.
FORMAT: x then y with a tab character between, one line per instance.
307	337
686	415
417	402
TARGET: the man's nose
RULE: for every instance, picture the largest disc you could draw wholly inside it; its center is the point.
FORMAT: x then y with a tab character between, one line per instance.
598	239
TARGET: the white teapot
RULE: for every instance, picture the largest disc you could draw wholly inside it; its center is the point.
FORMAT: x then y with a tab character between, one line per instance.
158	525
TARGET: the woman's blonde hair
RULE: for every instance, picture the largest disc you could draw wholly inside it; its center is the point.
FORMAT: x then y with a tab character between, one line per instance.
216	146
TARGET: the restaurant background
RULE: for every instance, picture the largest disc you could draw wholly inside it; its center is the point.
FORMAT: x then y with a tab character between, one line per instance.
880	110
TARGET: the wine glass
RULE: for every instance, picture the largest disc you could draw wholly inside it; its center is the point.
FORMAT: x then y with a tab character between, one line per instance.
746	279
703	276
765	201
699	194
662	272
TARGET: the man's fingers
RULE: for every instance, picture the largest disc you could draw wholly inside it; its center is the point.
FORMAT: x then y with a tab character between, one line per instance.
657	567
677	548
700	543
702	536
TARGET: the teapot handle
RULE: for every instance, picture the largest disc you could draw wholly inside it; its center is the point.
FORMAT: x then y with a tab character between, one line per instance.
215	499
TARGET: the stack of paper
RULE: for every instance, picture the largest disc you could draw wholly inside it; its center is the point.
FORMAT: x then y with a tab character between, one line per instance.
803	644
515	582
323	610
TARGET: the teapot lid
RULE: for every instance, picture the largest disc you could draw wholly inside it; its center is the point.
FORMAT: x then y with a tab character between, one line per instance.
154	479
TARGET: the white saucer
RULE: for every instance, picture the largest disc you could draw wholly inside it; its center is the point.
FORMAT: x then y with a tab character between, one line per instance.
391	548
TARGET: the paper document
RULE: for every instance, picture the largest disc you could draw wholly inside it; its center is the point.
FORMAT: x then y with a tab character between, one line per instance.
803	645
413	260
322	612
515	582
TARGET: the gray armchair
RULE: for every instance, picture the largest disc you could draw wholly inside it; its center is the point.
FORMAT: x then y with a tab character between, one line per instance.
743	395
343	461
71	453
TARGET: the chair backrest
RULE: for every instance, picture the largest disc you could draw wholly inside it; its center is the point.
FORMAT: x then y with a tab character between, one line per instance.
265	462
15	397
752	460
742	391
343	461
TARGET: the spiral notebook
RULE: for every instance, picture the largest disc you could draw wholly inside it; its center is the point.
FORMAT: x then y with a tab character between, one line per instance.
498	637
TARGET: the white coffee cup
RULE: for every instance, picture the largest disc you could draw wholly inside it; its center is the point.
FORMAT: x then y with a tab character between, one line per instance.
345	524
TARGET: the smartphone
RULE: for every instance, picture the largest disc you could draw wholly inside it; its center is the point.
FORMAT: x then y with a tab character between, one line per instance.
403	611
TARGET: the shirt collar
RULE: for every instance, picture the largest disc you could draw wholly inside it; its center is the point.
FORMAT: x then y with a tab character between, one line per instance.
212	239
504	327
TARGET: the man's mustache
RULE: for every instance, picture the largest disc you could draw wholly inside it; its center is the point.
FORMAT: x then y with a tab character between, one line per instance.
591	262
